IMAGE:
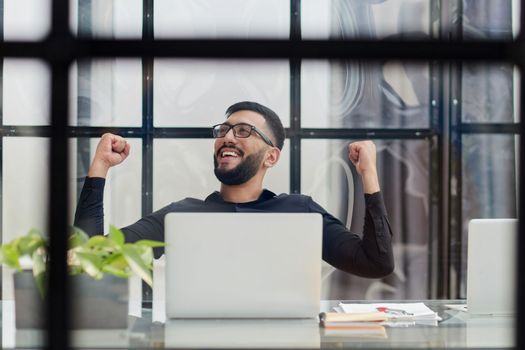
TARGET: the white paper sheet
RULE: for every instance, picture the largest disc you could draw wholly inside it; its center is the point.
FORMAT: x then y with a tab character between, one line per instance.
417	312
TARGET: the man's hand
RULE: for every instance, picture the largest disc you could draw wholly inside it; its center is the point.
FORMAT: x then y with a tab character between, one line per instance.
111	150
363	155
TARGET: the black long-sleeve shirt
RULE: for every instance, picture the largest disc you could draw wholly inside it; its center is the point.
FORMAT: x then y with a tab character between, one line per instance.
369	256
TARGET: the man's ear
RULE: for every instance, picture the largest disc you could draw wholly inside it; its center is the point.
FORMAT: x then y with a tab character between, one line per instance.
272	157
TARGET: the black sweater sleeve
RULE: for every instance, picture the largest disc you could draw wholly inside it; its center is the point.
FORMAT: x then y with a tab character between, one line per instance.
369	256
89	215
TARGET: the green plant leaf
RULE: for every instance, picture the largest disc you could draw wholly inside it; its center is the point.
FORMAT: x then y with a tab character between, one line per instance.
10	257
146	254
116	271
150	243
116	235
91	255
91	264
27	244
99	245
77	237
75	270
132	255
117	260
39	271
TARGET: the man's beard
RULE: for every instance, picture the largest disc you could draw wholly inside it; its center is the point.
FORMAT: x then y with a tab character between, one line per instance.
243	172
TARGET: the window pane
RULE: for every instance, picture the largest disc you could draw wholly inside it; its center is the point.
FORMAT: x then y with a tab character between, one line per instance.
118	19
344	94
26	20
25	203
196	93
222	19
488	182
25	94
328	176
365	19
184	168
487	92
488	19
106	93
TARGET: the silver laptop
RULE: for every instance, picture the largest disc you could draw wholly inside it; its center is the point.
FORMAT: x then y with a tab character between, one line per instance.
491	269
243	265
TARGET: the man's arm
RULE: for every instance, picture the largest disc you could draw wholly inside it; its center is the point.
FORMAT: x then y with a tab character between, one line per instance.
372	255
89	216
363	155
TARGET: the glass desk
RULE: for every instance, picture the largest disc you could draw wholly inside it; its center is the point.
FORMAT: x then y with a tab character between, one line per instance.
456	330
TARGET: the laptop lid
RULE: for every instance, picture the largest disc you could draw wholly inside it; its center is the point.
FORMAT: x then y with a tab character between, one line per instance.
243	265
491	266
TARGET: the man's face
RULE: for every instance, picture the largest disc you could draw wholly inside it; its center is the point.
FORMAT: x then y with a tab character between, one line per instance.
237	159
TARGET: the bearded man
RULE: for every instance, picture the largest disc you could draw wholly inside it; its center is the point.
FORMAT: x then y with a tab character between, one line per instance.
247	144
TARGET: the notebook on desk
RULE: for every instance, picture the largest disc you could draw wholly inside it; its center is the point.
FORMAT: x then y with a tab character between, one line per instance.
491	266
243	265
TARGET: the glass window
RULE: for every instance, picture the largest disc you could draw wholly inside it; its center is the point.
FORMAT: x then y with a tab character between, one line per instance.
119	19
329	177
25	177
344	94
196	93
487	93
224	19
26	20
365	19
488	19
488	182
106	93
25	203
25	93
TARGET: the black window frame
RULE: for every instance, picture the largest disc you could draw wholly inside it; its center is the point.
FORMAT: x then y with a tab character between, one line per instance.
60	48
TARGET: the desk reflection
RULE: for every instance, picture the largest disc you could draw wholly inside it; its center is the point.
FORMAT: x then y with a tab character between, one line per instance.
245	333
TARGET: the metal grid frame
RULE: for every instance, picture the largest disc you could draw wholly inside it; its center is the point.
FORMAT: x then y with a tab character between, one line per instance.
59	49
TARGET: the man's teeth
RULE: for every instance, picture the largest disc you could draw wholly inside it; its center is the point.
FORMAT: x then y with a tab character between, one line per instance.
229	153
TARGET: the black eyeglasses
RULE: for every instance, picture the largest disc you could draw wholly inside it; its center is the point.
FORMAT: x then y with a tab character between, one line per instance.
241	130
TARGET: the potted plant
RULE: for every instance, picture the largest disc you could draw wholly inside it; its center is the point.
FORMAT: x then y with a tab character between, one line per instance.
99	265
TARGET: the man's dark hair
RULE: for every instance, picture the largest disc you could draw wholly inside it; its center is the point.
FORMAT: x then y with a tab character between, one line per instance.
272	119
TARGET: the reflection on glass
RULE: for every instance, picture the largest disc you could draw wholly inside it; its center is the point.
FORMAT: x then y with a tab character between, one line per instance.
26	20
184	168
224	19
364	94
328	176
365	19
488	19
118	19
246	334
488	183
25	92
487	93
106	93
196	93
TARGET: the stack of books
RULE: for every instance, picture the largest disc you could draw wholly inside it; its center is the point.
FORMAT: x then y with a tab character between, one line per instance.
369	320
362	325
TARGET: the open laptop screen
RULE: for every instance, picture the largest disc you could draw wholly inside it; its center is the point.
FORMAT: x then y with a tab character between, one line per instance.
230	265
491	270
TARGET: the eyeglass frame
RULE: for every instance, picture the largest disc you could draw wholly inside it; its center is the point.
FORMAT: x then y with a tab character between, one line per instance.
265	138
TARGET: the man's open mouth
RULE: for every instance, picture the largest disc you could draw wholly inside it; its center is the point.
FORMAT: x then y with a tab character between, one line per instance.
226	152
